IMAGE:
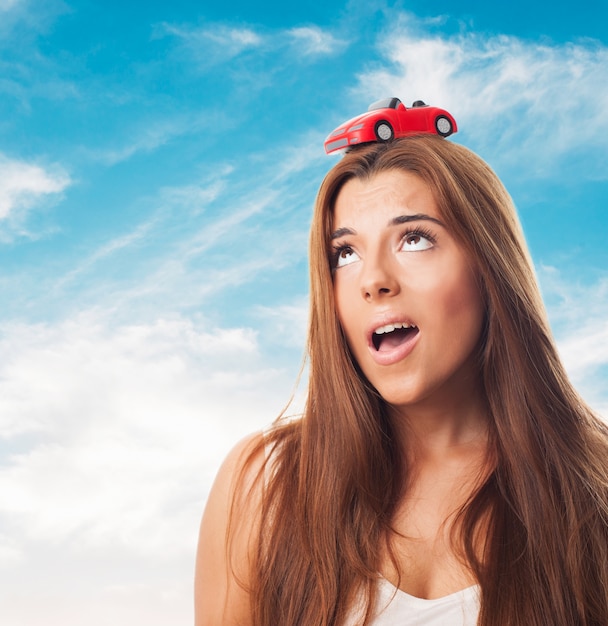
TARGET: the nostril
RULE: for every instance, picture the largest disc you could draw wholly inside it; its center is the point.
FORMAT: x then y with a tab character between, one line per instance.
382	284
379	291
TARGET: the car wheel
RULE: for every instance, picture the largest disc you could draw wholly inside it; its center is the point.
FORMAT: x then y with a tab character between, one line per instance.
443	126
384	131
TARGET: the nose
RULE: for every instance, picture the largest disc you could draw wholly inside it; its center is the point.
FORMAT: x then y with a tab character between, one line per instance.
379	280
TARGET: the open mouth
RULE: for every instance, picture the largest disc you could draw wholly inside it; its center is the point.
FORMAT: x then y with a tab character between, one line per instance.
392	336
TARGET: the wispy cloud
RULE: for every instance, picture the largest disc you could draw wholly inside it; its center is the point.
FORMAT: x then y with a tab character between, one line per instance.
217	232
214	43
177	231
579	315
232	40
106	250
217	257
312	40
147	141
587	350
152	134
506	93
24	186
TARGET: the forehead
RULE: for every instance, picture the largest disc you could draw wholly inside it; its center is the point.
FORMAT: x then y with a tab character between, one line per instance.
383	195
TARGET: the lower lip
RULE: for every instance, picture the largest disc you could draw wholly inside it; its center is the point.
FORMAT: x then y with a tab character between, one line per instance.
395	355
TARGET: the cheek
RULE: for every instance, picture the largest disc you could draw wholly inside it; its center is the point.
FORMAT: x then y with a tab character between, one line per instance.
464	294
464	309
339	300
344	300
349	317
449	299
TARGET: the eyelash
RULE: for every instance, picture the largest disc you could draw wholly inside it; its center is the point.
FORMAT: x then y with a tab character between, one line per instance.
337	250
419	231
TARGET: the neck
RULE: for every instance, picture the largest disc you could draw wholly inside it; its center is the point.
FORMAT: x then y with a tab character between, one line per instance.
443	428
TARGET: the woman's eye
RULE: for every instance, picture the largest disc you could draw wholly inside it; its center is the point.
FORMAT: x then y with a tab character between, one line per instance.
416	241
345	256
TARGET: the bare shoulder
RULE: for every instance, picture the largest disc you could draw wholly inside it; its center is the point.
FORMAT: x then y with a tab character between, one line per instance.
221	580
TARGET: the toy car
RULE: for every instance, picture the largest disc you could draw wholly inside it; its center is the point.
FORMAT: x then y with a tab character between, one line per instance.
387	119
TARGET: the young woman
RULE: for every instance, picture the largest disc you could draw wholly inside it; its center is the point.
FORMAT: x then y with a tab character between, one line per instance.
444	470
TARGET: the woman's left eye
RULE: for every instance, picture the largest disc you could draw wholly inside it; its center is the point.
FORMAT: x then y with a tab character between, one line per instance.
416	240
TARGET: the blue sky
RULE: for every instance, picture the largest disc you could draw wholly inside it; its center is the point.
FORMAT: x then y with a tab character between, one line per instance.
158	164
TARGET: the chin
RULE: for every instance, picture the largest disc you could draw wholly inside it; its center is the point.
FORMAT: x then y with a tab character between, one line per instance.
401	397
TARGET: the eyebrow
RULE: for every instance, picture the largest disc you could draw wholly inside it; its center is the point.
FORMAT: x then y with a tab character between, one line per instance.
400	219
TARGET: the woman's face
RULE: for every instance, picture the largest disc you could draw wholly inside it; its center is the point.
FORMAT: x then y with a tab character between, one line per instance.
406	294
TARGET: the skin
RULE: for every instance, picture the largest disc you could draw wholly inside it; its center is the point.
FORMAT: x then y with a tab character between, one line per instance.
389	268
218	596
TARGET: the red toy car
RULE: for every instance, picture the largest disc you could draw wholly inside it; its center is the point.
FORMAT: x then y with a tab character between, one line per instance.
387	119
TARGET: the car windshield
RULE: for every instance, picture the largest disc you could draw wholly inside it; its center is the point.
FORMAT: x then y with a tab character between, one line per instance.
386	103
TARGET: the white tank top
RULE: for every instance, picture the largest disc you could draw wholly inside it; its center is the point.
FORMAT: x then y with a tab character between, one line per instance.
397	608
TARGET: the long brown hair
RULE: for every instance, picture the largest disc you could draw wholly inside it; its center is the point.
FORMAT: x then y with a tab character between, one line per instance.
336	473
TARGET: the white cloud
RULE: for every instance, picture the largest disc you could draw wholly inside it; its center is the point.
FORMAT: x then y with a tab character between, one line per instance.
165	602
117	431
586	349
238	39
9	551
111	436
23	185
312	40
536	98
235	38
579	316
286	323
214	43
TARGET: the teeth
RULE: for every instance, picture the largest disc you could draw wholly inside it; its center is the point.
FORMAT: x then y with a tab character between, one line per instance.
389	328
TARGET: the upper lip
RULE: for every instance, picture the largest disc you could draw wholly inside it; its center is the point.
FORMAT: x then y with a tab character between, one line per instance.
384	320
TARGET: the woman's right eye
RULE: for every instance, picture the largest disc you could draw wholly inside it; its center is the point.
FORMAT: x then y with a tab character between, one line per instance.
345	255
